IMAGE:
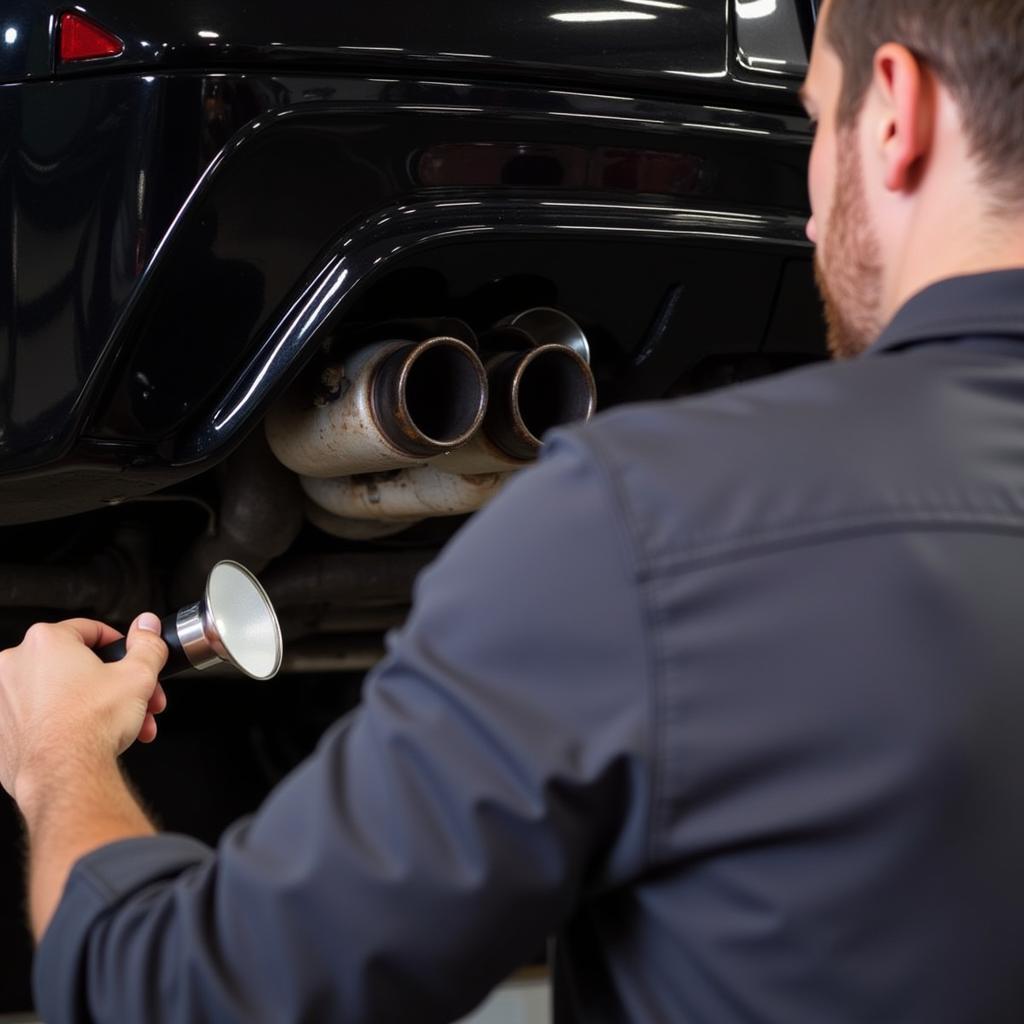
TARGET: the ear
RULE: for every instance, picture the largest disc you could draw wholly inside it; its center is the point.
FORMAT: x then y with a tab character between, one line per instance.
904	92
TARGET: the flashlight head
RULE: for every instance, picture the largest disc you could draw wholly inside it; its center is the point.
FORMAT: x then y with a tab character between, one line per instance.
240	623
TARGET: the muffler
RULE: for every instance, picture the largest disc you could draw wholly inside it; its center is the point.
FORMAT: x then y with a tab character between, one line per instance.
392	405
405	496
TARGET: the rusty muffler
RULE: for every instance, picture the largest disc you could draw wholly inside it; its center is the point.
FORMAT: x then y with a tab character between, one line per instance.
390	405
404	496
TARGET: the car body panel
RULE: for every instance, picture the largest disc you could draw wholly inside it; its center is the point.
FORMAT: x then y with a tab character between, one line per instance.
121	189
667	44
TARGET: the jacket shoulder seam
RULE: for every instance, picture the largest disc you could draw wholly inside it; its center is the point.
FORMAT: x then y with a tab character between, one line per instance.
761	542
651	657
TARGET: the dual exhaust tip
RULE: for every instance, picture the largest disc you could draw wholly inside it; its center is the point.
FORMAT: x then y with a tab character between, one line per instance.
533	392
401	404
431	397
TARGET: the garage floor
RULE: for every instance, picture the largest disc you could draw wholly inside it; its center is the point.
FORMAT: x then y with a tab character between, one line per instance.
521	1001
525	1000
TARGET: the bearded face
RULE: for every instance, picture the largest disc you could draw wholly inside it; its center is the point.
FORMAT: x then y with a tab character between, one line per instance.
848	266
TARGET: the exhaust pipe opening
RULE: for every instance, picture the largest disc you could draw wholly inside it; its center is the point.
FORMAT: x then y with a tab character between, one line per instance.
544	388
433	396
552	390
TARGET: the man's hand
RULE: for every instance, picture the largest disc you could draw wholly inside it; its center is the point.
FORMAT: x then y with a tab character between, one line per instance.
62	708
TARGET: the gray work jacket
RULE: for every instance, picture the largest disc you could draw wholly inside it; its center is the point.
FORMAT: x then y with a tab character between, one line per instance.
727	694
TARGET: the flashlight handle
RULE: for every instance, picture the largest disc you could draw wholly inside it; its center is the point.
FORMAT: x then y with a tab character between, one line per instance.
177	661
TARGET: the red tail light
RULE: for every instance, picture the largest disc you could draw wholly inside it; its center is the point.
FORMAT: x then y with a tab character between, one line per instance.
82	39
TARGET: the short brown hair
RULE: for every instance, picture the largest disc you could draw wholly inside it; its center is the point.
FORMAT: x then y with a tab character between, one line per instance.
975	47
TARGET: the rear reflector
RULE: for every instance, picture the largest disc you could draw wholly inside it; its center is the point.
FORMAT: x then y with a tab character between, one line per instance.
82	39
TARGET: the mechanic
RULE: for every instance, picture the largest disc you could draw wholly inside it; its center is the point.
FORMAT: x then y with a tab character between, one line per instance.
739	717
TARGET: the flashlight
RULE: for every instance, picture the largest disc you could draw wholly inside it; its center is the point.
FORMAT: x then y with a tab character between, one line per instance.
234	622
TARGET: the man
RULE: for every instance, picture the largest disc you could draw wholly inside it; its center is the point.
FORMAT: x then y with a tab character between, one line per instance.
739	715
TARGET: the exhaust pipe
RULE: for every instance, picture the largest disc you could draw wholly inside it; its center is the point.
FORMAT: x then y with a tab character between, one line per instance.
395	405
260	515
356	529
402	497
531	392
406	432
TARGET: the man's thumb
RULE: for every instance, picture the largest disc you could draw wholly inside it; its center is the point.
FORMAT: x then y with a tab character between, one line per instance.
145	645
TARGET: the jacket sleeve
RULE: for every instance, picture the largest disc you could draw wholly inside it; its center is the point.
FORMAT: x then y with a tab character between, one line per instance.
492	779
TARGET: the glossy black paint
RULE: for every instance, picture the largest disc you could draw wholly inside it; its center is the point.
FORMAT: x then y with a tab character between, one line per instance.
26	39
690	39
393	234
773	38
670	44
78	218
106	163
164	227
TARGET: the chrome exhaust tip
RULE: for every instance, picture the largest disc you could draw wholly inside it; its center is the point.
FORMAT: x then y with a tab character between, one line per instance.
546	326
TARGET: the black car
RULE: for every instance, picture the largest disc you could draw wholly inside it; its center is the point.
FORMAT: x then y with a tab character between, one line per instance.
300	284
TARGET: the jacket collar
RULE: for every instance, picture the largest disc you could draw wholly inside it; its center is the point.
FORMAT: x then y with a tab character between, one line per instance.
979	306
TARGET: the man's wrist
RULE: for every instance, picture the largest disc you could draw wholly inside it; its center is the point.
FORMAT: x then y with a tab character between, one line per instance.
47	785
70	810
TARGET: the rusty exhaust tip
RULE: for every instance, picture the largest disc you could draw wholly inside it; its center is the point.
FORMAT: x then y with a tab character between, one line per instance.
431	397
535	391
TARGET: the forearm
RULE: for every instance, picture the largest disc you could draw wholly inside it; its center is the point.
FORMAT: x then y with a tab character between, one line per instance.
68	814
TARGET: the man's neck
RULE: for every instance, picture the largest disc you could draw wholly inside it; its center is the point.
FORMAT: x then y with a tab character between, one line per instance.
964	243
